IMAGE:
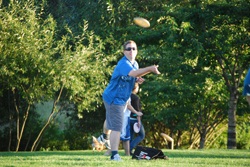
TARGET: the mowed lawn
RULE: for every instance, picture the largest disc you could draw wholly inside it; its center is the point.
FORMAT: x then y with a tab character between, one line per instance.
177	158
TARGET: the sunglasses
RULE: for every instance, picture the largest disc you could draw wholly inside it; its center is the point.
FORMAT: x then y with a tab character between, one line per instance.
130	48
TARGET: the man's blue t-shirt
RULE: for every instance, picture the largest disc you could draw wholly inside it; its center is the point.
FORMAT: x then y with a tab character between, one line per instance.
121	84
246	87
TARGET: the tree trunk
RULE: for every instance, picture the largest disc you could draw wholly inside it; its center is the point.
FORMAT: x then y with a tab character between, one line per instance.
232	87
42	131
35	144
178	141
10	122
10	132
23	126
231	138
203	139
28	142
195	140
17	120
52	116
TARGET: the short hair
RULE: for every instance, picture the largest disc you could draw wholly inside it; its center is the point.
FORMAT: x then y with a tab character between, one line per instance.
128	42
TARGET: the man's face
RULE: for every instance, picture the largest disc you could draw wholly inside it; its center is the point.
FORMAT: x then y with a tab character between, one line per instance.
130	51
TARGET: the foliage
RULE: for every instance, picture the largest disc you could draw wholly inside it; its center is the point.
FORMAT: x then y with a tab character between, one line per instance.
26	44
242	135
36	65
201	47
54	142
192	62
243	128
26	49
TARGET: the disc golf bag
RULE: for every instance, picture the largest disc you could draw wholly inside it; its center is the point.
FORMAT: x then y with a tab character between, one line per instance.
148	153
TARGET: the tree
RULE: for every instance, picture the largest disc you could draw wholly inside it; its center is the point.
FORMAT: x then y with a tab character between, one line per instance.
26	49
205	41
77	73
231	51
196	44
38	66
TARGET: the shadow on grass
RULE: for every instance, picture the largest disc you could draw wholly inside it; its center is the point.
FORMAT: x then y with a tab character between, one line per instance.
237	154
55	153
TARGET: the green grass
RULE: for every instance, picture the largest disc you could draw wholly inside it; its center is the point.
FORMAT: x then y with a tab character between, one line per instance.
177	158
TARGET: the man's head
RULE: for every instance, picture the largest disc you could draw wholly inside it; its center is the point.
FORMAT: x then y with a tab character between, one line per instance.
130	50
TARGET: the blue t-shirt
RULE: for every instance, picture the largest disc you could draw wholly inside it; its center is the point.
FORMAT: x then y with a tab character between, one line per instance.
247	78
121	84
246	86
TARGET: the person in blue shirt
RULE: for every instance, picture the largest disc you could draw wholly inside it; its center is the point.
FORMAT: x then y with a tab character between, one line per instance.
246	88
118	91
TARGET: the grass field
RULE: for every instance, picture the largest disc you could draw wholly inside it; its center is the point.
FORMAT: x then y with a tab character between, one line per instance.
177	158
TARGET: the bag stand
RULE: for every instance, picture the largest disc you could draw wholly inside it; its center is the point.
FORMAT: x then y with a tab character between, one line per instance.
168	138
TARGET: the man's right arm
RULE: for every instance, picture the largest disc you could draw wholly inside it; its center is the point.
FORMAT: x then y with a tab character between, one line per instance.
143	71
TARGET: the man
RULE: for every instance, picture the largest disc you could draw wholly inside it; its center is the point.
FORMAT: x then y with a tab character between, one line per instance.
118	91
246	88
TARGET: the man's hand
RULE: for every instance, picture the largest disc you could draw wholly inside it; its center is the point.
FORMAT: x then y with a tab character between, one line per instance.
154	69
140	80
139	114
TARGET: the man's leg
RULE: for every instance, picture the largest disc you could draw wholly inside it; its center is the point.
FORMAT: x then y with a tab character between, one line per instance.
114	122
104	137
106	132
126	147
115	141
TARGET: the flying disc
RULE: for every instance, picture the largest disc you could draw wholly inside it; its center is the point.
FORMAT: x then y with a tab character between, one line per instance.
136	128
141	22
